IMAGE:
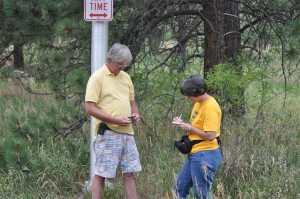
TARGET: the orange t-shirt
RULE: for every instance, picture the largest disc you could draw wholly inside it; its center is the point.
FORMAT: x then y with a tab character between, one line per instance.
207	117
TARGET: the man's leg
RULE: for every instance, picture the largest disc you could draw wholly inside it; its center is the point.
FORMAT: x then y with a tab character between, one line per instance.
129	164
97	187
129	185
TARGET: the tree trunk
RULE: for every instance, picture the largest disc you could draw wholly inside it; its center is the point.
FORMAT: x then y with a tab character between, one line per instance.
223	43
213	43
232	49
231	29
18	57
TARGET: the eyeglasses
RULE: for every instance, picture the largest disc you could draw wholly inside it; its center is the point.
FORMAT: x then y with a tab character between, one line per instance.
120	64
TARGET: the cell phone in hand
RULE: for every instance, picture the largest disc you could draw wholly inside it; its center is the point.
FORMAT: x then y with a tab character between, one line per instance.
132	118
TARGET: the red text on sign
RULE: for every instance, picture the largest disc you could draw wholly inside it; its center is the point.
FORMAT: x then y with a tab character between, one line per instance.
98	6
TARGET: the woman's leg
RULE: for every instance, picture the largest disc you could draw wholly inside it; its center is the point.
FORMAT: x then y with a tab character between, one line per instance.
203	167
184	181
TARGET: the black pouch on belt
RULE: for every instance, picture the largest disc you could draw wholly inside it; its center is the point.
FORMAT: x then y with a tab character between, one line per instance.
102	128
185	145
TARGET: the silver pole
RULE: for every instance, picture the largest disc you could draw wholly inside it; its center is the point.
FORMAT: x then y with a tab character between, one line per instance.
98	56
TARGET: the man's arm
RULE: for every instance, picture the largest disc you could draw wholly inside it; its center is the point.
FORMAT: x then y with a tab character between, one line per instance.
135	111
93	110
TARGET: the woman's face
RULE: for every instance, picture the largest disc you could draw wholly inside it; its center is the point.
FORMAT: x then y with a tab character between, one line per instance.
196	99
192	98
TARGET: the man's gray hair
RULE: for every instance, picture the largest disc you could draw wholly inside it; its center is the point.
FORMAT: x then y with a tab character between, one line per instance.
119	53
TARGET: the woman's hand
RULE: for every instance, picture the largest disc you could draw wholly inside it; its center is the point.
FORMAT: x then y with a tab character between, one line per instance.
177	121
185	126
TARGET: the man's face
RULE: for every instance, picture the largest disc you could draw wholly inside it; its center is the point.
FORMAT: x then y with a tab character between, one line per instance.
115	67
120	65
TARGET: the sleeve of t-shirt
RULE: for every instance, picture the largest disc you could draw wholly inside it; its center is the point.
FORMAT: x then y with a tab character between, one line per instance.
211	119
93	90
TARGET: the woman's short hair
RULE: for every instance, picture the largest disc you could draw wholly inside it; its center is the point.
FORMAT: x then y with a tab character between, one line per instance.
193	86
119	53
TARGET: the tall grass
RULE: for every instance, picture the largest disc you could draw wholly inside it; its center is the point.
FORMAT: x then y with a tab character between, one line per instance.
260	162
35	164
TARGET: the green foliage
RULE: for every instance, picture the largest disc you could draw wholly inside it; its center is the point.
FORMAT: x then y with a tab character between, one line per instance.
31	153
292	41
5	73
22	22
158	93
231	80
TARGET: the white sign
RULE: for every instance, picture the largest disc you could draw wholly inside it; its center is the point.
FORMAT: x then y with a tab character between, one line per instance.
98	10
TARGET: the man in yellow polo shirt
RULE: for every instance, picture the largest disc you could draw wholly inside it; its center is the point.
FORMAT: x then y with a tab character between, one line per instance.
110	101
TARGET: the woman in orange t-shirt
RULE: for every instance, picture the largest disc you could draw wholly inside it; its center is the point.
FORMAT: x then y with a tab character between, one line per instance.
206	156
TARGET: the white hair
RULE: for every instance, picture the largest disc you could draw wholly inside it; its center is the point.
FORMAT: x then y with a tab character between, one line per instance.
120	53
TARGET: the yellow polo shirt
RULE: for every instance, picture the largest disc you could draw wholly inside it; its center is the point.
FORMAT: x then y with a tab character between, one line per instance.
112	94
207	117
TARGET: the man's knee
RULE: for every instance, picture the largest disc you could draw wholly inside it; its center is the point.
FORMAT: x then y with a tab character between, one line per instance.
128	176
98	181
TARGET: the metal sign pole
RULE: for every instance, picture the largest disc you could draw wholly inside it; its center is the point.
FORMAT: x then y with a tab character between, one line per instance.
98	57
100	13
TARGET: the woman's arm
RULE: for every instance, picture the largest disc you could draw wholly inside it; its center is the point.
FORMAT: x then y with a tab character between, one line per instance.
206	135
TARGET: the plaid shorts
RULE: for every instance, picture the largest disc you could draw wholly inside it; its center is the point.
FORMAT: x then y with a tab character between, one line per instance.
113	149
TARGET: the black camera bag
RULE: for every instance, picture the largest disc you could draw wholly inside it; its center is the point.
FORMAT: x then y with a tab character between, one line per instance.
185	145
